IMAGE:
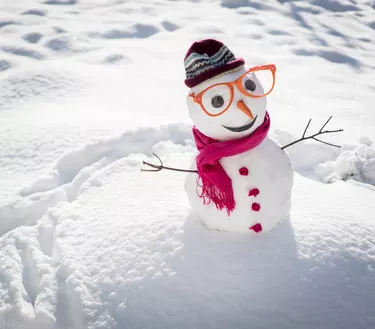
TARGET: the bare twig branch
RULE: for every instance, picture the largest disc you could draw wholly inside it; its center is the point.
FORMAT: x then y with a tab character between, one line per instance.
308	124
157	168
318	140
313	136
161	166
325	124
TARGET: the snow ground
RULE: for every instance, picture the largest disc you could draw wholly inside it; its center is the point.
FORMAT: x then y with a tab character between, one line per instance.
89	89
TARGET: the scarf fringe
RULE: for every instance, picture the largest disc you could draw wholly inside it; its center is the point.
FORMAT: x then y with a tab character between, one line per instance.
222	200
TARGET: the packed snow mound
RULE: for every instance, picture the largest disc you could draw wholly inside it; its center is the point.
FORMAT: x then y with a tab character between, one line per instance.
357	164
75	168
101	262
329	164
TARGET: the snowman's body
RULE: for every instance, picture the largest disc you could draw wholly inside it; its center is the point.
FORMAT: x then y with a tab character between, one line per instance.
227	103
265	168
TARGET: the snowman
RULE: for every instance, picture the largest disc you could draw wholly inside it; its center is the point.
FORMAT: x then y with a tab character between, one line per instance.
244	179
241	179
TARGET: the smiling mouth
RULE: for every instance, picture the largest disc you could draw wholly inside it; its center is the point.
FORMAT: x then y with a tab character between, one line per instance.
243	128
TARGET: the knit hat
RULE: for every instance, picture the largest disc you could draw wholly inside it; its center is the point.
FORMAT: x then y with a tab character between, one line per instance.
206	59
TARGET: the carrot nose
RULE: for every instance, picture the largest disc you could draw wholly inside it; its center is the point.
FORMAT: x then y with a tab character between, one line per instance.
242	106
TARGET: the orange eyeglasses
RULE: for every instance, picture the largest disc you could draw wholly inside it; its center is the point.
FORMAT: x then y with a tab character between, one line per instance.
214	100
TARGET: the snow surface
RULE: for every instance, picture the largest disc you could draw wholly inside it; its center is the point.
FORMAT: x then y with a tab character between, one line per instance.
89	89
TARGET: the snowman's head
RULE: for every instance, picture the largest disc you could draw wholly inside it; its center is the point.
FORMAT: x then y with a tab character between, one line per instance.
226	100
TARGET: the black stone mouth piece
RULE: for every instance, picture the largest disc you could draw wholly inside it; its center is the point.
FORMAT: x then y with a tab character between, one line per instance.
243	128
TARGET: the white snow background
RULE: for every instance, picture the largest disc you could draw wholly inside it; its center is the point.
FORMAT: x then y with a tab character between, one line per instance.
89	89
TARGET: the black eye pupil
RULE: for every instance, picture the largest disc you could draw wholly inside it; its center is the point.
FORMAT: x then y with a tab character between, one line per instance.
217	101
250	85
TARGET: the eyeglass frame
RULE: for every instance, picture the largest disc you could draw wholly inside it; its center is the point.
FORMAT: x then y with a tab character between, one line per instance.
198	97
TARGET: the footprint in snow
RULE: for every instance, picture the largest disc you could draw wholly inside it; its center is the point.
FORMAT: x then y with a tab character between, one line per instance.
5	23
4	65
33	37
61	2
35	12
140	31
21	51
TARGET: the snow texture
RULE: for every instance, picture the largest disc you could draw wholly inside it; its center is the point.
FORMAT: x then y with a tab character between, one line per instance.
87	240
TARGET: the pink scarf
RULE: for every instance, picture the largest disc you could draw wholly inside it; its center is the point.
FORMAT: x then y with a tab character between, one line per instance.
217	186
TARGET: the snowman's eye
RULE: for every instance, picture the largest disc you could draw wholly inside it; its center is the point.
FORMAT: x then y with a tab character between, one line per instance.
217	101
250	85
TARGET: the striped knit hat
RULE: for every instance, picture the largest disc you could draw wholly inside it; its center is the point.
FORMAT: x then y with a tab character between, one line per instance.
206	59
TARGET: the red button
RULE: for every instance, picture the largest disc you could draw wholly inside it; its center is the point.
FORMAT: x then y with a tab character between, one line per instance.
256	228
253	192
255	206
244	171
